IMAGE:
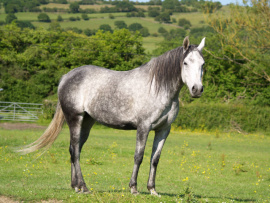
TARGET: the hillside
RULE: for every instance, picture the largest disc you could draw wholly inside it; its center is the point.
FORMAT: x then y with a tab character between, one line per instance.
97	19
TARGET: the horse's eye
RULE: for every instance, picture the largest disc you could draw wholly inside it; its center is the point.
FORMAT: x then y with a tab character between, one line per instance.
185	63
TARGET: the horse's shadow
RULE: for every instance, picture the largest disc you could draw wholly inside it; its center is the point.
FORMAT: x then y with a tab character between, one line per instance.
183	196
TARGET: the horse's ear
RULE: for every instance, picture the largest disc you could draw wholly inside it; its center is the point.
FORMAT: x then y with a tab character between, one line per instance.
186	43
200	47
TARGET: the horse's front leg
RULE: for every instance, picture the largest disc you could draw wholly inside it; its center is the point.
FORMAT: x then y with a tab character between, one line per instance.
142	135
159	140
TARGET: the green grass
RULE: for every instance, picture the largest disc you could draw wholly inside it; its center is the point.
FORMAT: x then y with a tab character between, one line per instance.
202	166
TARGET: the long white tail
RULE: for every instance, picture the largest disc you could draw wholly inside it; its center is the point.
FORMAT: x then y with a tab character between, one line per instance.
50	134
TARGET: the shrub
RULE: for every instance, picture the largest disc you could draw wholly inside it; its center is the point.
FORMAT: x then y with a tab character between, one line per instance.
105	27
153	11
224	117
111	16
74	7
144	32
59	18
120	24
72	18
135	27
10	17
25	24
85	16
163	17
182	22
43	17
162	30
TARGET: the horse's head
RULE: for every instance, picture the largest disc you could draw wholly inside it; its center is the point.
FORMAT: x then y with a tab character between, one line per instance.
192	67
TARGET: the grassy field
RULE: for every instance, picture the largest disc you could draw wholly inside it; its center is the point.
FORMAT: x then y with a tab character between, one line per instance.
195	166
97	7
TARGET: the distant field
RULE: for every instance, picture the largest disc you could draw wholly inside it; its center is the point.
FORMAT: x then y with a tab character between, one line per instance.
96	6
197	19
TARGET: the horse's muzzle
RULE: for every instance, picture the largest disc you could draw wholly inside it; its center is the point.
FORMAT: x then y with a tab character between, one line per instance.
196	91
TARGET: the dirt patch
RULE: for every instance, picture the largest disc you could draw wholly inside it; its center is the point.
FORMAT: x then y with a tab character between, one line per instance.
4	199
21	126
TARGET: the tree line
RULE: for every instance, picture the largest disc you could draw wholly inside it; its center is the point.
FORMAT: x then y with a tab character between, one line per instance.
236	54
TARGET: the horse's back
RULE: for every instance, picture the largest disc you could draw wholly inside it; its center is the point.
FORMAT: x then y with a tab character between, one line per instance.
106	95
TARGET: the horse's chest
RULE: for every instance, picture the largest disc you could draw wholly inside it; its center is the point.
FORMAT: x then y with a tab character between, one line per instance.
167	116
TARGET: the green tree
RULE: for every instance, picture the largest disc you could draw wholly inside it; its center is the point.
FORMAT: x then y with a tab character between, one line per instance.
162	31
85	16
183	22
10	17
153	11
74	7
59	18
33	61
135	26
163	17
124	6
55	26
169	4
210	7
24	24
105	27
144	32
244	39
120	24
43	17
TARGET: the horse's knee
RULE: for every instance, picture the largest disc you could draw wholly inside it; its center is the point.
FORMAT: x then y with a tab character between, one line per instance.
138	158
155	160
72	153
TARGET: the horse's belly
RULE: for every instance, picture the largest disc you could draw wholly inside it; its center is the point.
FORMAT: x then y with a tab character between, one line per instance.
113	110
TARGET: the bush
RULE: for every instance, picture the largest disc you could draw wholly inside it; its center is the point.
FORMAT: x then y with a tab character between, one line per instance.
85	16
153	11
105	27
144	32
120	24
224	117
10	17
25	24
74	7
163	17
89	32
182	22
72	18
43	17
162	30
59	18
111	16
135	27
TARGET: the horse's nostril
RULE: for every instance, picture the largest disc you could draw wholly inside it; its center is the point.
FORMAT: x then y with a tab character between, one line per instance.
194	89
202	90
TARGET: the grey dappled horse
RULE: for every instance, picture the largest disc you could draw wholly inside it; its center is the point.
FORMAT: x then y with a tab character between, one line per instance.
145	98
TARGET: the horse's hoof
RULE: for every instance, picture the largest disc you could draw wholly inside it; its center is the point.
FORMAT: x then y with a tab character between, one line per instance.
82	190
154	192
134	190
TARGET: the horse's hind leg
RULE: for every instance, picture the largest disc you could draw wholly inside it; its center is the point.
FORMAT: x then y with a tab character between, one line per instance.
79	131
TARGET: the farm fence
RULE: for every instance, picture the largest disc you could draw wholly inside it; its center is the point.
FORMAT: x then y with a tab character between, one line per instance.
16	111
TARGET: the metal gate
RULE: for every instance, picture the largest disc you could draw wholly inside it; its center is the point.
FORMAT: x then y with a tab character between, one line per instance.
20	111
